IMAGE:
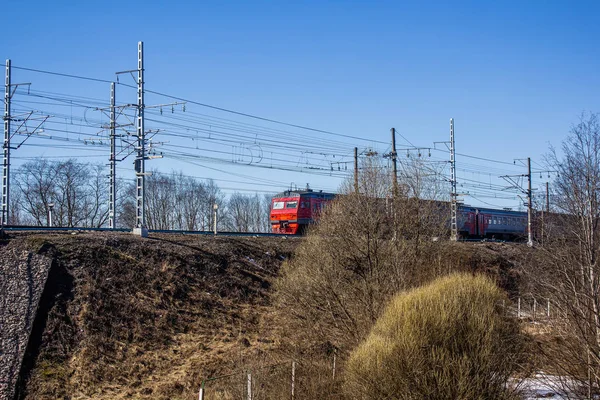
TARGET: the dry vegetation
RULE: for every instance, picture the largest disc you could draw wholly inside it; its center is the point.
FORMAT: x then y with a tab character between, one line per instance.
450	339
365	251
133	318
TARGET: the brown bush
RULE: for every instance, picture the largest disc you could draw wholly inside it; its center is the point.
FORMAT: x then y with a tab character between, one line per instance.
447	340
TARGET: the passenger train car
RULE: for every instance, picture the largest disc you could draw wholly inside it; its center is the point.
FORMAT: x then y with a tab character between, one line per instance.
293	211
475	222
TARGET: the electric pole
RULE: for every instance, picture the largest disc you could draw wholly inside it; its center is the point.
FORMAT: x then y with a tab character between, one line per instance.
516	184
140	168
112	194
394	158
547	199
6	149
529	204
356	170
453	194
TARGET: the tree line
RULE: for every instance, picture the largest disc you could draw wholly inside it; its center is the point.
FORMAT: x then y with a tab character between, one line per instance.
77	194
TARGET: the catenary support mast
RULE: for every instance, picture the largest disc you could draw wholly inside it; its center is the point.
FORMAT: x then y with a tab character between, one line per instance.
453	194
6	149
140	170
529	204
356	170
394	161
112	195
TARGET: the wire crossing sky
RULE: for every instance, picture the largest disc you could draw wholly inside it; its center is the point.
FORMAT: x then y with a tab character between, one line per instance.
282	93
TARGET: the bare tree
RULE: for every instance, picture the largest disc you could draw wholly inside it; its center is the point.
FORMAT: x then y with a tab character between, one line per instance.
570	273
96	204
35	184
365	248
78	192
247	213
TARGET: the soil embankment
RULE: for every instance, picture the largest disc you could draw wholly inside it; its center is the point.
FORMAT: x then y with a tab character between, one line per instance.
124	317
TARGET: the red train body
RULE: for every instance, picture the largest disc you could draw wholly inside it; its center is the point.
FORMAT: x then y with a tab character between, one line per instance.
486	222
294	210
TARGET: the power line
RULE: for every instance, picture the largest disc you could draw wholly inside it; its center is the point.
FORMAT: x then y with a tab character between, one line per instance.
203	105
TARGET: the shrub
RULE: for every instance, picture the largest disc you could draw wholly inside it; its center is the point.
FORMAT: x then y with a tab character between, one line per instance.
447	340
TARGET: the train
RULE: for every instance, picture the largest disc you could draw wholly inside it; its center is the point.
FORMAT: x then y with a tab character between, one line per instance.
293	211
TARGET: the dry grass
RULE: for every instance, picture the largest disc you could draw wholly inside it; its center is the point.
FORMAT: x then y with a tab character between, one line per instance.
446	340
150	319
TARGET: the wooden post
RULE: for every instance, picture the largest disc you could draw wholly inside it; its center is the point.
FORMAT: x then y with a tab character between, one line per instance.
548	309
519	307
534	308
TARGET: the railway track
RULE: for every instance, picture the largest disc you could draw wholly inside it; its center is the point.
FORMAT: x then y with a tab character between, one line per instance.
14	228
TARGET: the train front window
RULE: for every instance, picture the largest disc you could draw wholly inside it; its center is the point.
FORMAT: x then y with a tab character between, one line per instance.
291	204
278	205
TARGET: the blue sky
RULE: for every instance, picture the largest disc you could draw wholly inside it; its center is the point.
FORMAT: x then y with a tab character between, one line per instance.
513	75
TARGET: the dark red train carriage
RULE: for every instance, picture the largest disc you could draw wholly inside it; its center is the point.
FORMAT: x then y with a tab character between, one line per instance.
475	222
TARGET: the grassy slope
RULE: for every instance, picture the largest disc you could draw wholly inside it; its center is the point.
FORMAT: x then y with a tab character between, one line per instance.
150	318
133	318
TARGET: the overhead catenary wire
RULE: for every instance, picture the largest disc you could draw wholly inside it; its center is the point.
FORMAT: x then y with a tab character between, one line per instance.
315	152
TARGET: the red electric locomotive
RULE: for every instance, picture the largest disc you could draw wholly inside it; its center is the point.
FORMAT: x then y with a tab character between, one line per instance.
293	210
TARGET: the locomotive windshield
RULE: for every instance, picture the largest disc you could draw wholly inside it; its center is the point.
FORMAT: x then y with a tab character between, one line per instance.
291	204
278	205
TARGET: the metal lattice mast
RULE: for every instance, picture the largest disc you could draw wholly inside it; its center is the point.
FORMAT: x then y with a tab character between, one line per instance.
6	150
140	168
453	194
112	194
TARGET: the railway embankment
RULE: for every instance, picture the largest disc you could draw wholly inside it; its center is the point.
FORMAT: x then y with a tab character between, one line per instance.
108	315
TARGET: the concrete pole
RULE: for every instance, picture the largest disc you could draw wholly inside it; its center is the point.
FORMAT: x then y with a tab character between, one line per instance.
356	170
293	378
215	208
529	204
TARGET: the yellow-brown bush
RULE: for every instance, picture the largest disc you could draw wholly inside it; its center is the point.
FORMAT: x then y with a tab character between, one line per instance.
446	340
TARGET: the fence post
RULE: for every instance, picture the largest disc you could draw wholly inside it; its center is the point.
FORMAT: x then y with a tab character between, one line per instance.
548	309
334	354
519	307
201	392
249	383
293	377
534	308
